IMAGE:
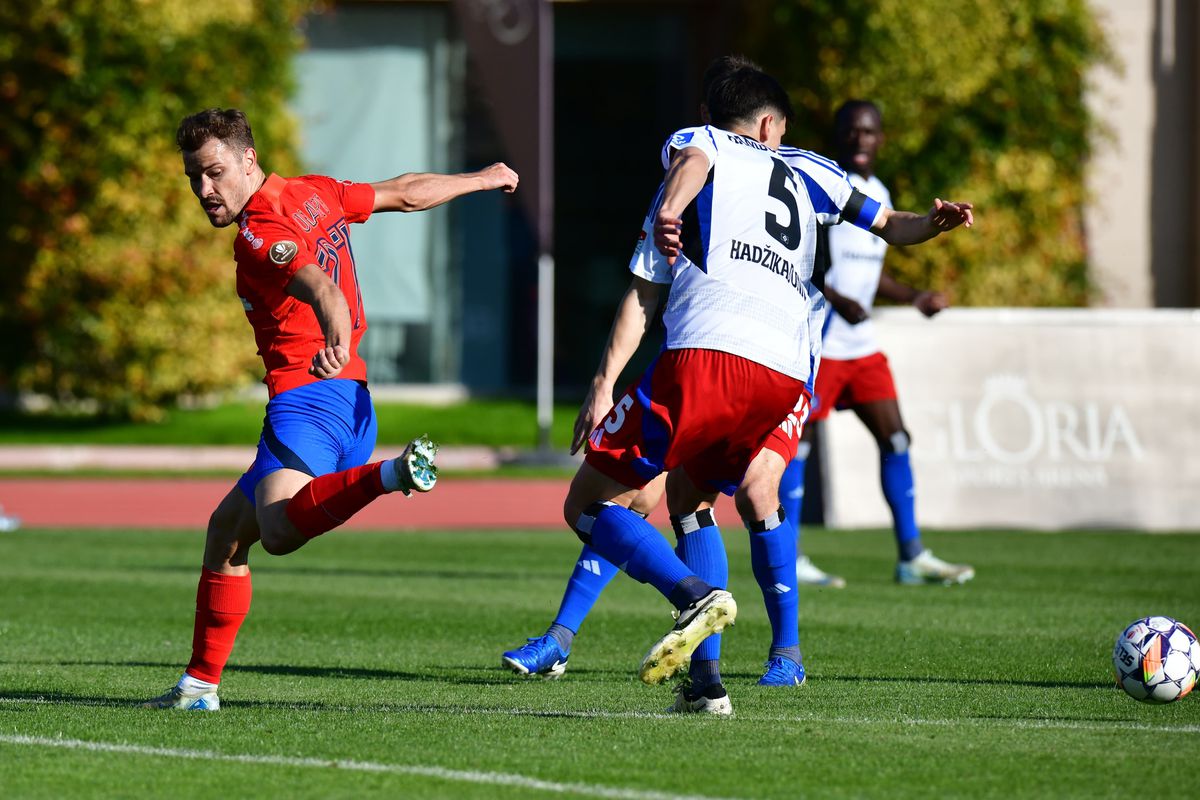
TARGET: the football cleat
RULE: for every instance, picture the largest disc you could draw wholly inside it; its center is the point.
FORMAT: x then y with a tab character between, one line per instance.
415	466
708	615
809	574
781	671
709	700
928	568
537	658
177	698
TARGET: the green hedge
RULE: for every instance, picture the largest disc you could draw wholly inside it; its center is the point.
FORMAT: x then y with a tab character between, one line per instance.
118	291
982	101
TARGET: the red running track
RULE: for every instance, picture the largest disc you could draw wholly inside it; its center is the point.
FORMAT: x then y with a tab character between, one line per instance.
456	503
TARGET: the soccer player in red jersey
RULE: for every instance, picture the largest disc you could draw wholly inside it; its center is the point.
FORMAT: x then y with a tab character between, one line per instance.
296	279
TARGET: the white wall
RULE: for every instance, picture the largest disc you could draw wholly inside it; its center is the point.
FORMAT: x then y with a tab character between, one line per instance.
1034	418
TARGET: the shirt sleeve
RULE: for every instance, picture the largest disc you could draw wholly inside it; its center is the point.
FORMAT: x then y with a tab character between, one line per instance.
647	262
862	210
833	197
356	199
701	138
270	251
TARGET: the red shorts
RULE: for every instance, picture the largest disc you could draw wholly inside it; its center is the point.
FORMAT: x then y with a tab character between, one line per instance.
844	384
704	410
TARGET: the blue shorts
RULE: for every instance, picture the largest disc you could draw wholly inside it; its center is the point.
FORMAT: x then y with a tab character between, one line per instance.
318	428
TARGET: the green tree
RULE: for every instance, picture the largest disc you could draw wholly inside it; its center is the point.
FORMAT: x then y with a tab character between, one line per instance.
118	291
982	101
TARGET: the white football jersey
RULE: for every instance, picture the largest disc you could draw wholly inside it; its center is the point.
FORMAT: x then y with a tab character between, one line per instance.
856	262
826	198
743	282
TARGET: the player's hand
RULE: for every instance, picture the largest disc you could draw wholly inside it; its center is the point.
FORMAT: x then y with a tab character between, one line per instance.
945	216
930	303
595	406
499	176
849	310
668	230
328	362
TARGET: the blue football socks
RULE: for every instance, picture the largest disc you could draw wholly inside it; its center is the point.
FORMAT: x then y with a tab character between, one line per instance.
700	546
773	558
791	485
591	574
627	540
563	636
895	474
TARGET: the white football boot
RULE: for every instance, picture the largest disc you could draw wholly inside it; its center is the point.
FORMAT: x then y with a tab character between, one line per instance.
187	700
710	700
809	574
708	615
928	568
415	466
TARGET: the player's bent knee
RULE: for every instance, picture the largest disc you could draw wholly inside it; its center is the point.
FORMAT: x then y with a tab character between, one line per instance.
755	501
585	519
897	443
275	542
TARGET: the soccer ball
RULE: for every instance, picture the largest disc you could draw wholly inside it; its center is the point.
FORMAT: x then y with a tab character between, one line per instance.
1156	660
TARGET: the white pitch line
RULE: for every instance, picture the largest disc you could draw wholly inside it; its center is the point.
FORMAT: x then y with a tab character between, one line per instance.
460	776
999	722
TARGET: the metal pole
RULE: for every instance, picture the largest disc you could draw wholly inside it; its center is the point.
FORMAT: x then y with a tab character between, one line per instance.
545	225
545	350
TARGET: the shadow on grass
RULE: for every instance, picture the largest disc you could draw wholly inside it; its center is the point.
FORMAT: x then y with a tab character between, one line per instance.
919	679
487	676
13	700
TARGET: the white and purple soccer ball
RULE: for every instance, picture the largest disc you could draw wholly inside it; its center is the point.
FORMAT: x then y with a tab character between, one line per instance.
1156	660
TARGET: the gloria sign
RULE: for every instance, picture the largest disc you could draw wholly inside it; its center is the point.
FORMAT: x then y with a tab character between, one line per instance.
1035	419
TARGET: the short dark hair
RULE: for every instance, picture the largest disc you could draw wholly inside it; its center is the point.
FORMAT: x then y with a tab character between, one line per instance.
720	67
841	117
228	126
743	94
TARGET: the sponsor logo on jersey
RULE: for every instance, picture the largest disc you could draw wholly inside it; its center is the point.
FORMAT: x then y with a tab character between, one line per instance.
641	242
766	257
680	139
247	234
282	253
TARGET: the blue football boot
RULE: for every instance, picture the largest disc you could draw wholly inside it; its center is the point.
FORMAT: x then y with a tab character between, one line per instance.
782	672
537	658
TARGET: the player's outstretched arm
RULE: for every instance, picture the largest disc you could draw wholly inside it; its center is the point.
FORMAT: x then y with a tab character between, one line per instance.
311	285
634	315
905	227
418	191
926	301
685	179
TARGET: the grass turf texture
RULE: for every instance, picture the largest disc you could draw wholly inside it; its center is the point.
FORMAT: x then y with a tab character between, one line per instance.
495	423
384	648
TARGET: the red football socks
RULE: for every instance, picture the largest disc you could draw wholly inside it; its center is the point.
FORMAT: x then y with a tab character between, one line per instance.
222	602
330	500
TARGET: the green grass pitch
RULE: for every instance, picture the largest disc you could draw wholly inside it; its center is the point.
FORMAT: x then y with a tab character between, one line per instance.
369	665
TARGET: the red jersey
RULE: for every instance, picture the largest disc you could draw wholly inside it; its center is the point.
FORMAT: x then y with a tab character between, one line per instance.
286	225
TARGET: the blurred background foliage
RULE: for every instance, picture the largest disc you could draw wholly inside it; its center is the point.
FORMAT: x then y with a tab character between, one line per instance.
981	101
120	298
118	293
